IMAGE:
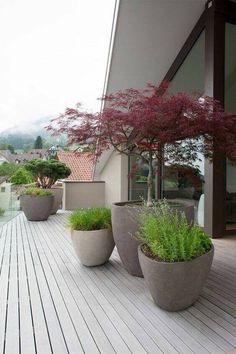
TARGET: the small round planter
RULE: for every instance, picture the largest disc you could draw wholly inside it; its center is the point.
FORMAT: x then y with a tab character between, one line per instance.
57	193
36	208
93	248
125	225
177	285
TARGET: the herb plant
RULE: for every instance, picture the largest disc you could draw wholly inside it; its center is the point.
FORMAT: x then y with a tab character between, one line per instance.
90	219
37	192
168	237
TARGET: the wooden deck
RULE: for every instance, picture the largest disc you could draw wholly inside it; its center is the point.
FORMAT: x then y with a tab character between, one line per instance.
49	303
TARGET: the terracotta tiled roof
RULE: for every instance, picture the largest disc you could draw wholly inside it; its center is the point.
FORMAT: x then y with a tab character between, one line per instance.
81	165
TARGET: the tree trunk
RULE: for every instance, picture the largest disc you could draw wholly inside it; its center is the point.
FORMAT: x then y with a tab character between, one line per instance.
150	182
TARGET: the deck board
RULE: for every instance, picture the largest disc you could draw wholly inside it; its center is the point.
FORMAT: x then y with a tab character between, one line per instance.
50	303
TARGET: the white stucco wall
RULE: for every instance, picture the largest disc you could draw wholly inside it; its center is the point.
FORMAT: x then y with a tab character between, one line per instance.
115	174
83	194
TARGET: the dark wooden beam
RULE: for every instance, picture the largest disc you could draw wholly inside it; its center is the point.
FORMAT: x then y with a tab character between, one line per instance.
215	172
227	9
192	38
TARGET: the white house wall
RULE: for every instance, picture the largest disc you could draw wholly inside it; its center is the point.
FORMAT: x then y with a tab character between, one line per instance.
5	195
115	174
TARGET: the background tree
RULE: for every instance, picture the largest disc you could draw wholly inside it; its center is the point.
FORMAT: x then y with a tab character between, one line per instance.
11	148
38	144
28	147
8	169
21	176
142	122
5	146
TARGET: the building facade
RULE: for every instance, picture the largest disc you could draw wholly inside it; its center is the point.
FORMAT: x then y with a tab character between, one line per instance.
192	44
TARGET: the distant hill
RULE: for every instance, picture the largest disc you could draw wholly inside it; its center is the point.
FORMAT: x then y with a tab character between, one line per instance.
26	133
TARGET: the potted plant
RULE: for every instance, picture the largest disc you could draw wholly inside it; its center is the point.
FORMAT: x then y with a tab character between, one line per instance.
175	257
46	173
146	123
36	203
91	235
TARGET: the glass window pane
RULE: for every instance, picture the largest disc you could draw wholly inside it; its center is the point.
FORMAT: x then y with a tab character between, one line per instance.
230	105
183	181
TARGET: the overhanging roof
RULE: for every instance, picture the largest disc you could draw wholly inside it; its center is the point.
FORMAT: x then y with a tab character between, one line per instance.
148	36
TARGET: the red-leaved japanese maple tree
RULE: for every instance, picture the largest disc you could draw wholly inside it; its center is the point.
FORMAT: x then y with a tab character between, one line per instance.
142	122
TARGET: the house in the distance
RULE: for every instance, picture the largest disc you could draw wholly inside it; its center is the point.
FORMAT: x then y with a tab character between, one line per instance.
5	193
21	158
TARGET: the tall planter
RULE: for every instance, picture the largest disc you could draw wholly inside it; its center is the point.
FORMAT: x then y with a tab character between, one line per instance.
124	218
57	193
175	286
125	226
36	208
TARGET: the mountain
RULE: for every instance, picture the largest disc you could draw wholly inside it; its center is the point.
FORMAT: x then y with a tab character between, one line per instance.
26	133
31	128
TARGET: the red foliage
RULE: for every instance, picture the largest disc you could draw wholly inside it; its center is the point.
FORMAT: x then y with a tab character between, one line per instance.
140	122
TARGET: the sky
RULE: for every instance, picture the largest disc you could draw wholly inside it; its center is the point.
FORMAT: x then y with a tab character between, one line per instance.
53	55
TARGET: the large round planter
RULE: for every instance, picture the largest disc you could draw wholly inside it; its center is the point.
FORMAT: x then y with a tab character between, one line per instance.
57	193
93	247
36	208
184	207
177	285
125	225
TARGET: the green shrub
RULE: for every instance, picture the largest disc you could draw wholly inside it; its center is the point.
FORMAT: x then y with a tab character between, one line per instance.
8	168
167	235
90	219
2	211
47	172
36	192
21	176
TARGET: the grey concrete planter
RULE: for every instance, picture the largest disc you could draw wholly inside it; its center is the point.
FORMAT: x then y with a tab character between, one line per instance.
125	225
57	193
177	285
124	218
93	247
36	208
186	207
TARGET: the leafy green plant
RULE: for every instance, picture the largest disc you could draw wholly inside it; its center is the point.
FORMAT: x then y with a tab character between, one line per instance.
36	192
2	211
90	219
21	176
8	169
168	237
47	172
